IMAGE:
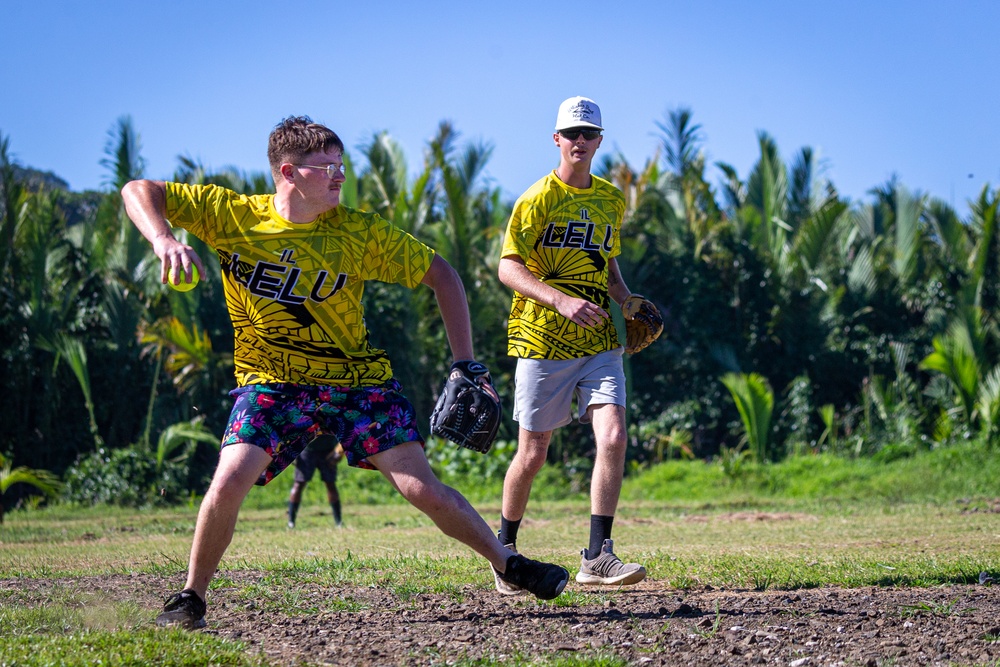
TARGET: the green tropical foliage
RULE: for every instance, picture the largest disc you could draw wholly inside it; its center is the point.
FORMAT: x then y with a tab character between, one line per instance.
41	480
755	403
797	321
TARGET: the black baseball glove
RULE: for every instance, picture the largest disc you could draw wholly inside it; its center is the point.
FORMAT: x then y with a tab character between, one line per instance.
468	411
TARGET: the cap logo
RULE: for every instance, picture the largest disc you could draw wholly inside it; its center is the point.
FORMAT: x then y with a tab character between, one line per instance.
581	111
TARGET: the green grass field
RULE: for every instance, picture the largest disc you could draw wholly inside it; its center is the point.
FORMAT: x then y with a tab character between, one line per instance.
920	521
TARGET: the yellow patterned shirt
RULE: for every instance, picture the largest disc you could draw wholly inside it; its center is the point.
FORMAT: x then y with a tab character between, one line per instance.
294	291
565	236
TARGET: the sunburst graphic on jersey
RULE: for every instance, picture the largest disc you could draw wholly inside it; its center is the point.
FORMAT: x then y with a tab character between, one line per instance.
536	331
276	338
566	237
579	273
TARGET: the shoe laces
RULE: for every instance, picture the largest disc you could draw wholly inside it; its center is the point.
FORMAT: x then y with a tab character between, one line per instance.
605	563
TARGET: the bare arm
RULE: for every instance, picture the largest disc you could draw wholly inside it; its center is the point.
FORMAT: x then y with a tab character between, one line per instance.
617	289
450	294
145	203
515	275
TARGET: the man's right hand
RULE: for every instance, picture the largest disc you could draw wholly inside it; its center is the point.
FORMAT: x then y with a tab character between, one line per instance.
580	311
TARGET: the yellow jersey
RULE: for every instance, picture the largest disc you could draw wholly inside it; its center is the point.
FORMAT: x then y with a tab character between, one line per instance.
293	290
566	236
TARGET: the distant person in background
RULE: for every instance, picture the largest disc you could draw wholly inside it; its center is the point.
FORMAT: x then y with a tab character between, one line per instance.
323	454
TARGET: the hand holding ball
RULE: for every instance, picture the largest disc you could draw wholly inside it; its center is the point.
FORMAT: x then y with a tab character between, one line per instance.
177	282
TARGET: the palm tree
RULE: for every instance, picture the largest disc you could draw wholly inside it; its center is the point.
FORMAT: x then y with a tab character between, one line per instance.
681	143
383	187
10	200
967	353
124	163
984	260
51	299
117	253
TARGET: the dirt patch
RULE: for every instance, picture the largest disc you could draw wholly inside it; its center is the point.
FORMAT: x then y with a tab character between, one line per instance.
750	517
648	624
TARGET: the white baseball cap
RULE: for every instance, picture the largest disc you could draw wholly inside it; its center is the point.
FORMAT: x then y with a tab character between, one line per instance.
578	112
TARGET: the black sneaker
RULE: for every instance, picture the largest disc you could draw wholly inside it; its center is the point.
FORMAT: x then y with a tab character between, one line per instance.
503	588
543	580
184	609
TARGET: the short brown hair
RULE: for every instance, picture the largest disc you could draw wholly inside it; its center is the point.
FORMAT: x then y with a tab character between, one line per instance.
297	136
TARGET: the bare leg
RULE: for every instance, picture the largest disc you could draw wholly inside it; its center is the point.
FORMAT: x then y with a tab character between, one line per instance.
406	467
332	495
609	466
296	495
239	467
602	567
532	448
294	500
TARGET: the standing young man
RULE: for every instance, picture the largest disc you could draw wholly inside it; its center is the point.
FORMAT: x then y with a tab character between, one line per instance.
294	266
559	258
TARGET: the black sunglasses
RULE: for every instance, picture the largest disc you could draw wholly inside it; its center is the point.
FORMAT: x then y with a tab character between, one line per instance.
575	133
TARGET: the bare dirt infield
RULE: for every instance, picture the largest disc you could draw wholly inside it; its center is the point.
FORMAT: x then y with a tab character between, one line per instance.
647	624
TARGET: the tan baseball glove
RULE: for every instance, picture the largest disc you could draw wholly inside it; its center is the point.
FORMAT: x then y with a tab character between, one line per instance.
643	323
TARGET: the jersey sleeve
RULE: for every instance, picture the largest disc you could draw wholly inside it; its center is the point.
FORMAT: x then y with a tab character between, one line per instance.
197	208
523	229
392	255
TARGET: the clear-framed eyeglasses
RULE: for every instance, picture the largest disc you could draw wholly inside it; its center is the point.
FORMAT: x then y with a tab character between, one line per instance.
331	169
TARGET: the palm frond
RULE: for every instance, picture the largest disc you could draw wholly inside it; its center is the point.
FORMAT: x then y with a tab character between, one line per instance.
755	402
43	480
908	237
179	434
122	154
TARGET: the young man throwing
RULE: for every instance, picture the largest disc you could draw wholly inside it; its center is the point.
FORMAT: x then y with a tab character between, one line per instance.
294	265
559	258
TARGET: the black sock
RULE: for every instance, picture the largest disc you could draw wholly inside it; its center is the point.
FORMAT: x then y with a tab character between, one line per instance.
293	509
336	511
508	531
600	530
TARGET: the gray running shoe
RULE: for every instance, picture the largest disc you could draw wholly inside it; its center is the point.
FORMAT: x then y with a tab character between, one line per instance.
503	588
607	568
543	580
184	609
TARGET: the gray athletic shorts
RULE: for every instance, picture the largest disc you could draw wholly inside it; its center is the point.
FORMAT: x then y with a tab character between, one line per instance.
544	389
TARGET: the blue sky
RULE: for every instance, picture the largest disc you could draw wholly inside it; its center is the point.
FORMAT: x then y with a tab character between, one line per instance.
876	88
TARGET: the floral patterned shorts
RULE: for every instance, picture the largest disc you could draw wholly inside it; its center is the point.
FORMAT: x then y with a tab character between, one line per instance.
282	419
